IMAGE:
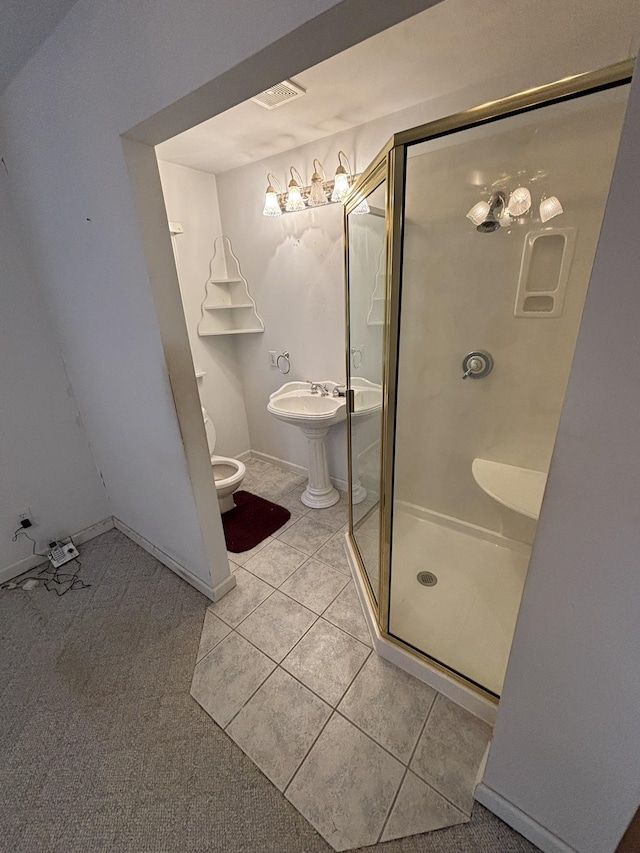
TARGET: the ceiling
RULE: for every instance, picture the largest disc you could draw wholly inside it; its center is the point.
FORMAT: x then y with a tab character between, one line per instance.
445	49
25	25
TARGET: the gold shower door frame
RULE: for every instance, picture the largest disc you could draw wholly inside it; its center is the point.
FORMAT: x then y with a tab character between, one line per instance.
390	165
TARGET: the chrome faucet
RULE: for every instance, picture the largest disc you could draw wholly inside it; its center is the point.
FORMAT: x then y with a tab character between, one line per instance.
318	386
340	391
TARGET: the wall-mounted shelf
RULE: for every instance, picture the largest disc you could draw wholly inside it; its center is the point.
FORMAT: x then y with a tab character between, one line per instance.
228	308
375	317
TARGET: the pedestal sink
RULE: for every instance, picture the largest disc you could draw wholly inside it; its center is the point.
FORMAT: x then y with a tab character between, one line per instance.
294	404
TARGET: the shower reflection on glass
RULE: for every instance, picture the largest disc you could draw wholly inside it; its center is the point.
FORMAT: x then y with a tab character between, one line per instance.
465	463
366	353
500	212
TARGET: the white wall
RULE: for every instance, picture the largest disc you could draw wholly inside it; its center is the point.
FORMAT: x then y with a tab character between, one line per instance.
45	459
191	199
566	749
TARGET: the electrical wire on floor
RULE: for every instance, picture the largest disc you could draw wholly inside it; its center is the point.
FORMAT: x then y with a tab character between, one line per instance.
53	578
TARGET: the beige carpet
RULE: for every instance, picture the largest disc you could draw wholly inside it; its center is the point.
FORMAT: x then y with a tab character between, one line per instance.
103	749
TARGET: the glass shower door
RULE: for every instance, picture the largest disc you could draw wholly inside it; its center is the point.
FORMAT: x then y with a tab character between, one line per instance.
366	306
501	222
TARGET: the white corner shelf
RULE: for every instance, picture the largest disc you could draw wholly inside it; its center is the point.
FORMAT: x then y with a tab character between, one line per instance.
227	308
377	306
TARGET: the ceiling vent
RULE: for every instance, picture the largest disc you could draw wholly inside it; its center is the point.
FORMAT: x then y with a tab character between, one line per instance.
279	94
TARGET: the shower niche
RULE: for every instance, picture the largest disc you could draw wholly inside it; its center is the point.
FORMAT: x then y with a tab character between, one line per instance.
438	269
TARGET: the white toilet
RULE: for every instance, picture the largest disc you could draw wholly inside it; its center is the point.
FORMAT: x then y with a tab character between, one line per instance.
228	473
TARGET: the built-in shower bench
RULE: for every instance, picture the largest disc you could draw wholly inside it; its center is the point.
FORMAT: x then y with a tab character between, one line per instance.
519	489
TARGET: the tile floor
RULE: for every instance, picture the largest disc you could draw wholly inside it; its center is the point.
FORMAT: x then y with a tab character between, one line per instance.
365	752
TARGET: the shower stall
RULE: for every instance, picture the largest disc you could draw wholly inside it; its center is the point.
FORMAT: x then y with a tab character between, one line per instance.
466	278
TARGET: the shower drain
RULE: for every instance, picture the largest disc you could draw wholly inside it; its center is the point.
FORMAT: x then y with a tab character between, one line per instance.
427	578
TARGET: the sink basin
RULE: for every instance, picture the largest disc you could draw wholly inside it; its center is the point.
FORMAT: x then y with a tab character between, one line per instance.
294	404
367	401
367	397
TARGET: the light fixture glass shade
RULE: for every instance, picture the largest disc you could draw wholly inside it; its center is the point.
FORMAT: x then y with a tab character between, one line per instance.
363	207
341	184
294	198
550	207
271	203
479	212
317	196
519	202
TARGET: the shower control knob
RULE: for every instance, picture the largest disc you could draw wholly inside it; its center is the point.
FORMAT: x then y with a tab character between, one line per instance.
477	364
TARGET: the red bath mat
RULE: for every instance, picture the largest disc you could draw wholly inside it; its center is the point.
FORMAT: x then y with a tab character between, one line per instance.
250	521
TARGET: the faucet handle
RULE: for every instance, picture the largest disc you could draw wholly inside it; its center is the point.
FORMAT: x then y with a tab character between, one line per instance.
339	391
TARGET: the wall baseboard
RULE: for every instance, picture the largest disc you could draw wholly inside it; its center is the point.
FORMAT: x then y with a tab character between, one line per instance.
79	538
213	593
341	485
170	563
521	822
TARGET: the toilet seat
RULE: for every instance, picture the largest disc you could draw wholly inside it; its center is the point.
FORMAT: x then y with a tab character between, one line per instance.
227	471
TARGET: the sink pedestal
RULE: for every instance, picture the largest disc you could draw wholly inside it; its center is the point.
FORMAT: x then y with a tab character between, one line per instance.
319	493
358	491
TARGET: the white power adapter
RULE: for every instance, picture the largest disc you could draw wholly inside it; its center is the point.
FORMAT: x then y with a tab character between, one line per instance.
62	552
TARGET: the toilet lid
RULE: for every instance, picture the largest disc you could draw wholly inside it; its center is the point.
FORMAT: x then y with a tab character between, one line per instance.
210	430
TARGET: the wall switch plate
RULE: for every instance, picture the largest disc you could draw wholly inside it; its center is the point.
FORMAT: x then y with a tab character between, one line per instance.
62	553
272	358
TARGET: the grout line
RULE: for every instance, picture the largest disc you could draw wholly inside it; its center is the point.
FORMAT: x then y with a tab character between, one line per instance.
407	765
326	618
244	618
278	663
443	796
427	783
306	755
233	627
325	563
224	728
215	645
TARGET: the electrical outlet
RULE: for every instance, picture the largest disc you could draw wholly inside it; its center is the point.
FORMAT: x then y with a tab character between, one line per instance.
273	361
25	515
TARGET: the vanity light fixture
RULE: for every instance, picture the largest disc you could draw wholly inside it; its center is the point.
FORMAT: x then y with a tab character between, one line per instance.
318	192
489	216
363	207
295	201
271	200
479	212
341	181
519	202
550	207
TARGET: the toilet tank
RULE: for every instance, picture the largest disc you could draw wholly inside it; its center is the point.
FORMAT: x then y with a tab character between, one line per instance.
210	430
